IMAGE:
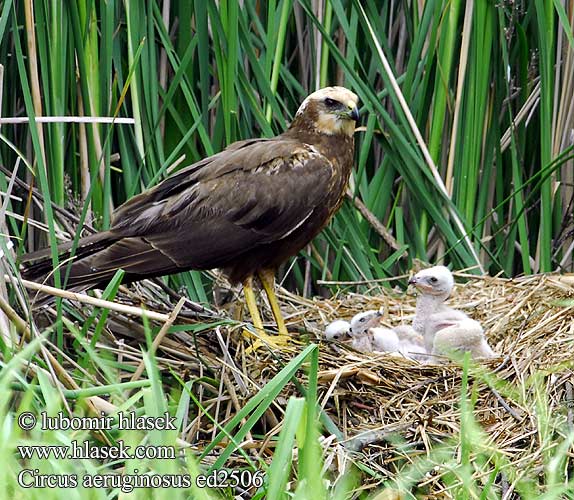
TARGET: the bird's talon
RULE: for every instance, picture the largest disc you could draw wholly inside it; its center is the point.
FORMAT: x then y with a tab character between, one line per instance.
262	339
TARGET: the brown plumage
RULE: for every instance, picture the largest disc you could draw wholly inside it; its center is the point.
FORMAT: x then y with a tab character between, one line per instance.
246	209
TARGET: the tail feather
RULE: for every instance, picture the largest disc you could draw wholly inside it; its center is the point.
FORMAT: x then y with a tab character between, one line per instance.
96	260
37	266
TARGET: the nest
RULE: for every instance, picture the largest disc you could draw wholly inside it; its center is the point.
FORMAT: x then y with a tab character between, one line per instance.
528	321
392	413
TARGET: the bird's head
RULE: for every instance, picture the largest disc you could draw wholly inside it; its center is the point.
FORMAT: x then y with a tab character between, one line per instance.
363	321
437	281
330	110
337	330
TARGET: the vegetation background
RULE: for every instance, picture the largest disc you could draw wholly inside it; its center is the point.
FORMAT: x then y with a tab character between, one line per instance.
465	155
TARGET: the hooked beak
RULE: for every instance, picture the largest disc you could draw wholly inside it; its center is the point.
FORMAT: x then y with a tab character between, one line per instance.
353	114
413	280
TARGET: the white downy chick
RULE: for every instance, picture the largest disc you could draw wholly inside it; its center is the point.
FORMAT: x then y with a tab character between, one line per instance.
337	330
458	335
369	336
435	286
411	344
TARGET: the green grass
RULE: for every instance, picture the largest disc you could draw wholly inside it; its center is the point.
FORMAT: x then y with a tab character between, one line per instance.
468	463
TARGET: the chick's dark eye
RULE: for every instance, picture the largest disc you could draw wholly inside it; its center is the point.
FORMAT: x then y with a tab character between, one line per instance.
433	279
362	320
331	102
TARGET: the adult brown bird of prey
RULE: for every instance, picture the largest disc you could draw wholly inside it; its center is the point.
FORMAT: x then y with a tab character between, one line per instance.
245	210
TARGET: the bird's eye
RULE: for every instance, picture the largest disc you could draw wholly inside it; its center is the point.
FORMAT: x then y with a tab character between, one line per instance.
433	279
362	320
331	102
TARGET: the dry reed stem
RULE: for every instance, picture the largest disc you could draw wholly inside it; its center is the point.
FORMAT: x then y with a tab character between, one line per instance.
86	299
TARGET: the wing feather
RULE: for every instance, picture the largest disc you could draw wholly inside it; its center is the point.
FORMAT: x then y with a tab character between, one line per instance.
243	198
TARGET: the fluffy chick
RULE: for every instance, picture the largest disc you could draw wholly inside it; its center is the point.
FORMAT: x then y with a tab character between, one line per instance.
411	344
337	330
452	335
367	334
435	286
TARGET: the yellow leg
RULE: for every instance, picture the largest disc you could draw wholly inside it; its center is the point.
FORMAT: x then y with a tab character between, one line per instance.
262	337
267	278
252	304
